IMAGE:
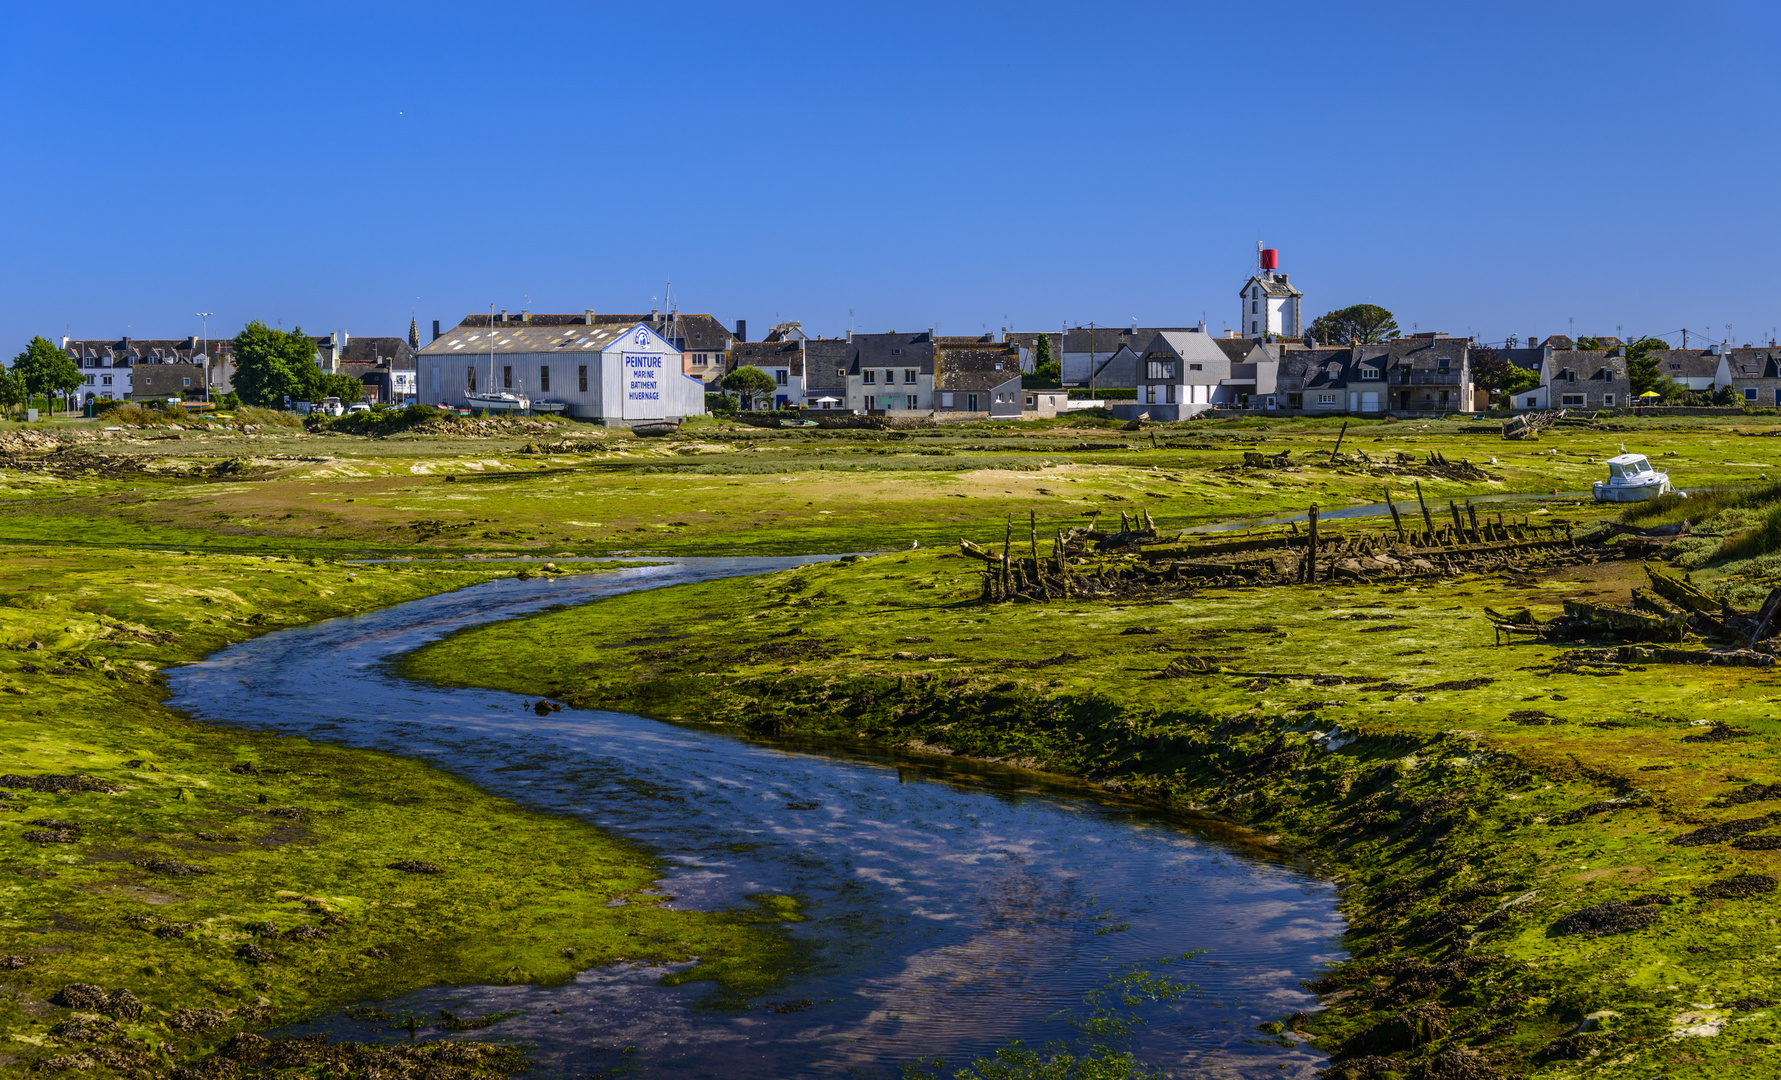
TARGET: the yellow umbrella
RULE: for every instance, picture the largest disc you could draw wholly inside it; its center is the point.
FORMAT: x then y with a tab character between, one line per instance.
1650	393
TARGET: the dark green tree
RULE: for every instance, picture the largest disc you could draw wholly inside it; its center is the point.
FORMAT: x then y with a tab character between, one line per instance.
1644	367
12	390
1368	324
1047	371
748	383
44	369
273	364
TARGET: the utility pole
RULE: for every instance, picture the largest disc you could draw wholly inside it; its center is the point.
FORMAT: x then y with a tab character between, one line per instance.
1091	359
205	315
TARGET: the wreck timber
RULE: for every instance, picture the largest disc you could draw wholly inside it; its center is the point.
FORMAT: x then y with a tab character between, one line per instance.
1135	560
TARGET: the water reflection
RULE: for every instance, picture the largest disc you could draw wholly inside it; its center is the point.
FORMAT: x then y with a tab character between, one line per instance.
951	906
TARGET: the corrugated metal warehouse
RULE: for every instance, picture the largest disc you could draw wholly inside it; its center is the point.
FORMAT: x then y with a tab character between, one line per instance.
616	374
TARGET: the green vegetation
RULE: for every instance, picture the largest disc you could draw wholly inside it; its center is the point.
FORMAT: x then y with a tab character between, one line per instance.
1475	798
1464	776
44	369
749	383
271	365
1368	324
233	879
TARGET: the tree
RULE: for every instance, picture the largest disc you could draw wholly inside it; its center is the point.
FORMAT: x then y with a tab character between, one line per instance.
1368	324
44	369
271	365
748	383
1643	367
12	390
1046	371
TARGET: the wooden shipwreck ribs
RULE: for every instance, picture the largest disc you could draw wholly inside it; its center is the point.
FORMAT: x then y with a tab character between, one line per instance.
1089	562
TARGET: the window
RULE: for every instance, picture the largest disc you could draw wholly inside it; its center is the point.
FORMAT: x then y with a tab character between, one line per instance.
1254	307
1195	367
896	352
781	376
890	378
506	378
1031	402
1750	393
909	376
1150	395
913	403
970	402
870	376
1326	399
544	380
105	380
90	380
871	402
700	360
1571	401
584	378
1532	401
1607	401
1171	389
1161	369
1295	401
1369	373
946	401
1675	367
1254	327
185	382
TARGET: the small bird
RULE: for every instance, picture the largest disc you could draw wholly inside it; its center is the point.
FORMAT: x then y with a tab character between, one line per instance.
913	544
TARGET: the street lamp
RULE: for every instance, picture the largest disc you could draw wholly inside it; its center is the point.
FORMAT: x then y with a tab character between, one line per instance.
205	315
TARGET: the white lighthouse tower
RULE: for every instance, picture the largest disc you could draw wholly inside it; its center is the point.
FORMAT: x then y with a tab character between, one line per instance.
1270	303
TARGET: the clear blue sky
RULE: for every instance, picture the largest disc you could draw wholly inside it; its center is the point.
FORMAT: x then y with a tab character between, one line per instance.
1491	168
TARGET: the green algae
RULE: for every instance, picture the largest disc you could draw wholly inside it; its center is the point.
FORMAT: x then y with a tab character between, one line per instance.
252	879
1377	728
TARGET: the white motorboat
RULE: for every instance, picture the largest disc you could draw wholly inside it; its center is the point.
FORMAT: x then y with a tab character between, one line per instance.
1631	479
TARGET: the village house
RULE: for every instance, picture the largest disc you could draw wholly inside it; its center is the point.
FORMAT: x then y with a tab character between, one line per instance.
383	365
614	373
892	372
1693	369
1424	374
1586	379
826	363
1182	373
1754	374
976	379
120	369
1101	356
779	358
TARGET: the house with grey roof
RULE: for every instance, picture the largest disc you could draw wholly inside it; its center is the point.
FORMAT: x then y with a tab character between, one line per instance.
780	358
976	379
892	372
826	364
1270	306
1695	369
1182	373
110	367
1754	374
1586	379
1091	356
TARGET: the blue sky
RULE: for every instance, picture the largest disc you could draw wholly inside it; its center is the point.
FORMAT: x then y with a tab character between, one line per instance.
1486	168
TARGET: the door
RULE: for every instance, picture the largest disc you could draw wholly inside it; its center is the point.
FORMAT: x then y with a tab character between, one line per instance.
1369	401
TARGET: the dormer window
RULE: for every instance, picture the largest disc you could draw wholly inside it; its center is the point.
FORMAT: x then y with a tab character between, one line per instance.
896	352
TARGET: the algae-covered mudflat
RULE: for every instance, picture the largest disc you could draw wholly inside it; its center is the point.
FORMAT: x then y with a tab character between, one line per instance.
1520	835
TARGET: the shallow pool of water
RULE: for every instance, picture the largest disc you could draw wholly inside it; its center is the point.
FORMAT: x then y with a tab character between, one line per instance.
951	907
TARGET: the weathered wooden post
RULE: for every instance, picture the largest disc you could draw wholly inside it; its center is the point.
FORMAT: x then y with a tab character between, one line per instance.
1311	551
1007	553
1427	521
1396	521
1339	436
1472	515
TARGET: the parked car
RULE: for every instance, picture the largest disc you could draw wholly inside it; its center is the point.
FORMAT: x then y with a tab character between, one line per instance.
358	406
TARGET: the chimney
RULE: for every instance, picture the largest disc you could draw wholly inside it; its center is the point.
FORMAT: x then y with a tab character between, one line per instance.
435	330
525	316
65	341
741	329
587	317
503	314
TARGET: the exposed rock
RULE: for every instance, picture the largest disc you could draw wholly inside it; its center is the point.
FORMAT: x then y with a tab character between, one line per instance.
414	866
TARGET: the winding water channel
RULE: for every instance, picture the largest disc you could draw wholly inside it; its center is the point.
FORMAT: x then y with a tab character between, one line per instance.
951	907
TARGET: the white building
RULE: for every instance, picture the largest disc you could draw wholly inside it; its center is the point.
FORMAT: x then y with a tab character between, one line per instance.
1182	373
615	374
1270	304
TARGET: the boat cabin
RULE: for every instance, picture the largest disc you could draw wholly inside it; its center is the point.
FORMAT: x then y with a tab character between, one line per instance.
1628	466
